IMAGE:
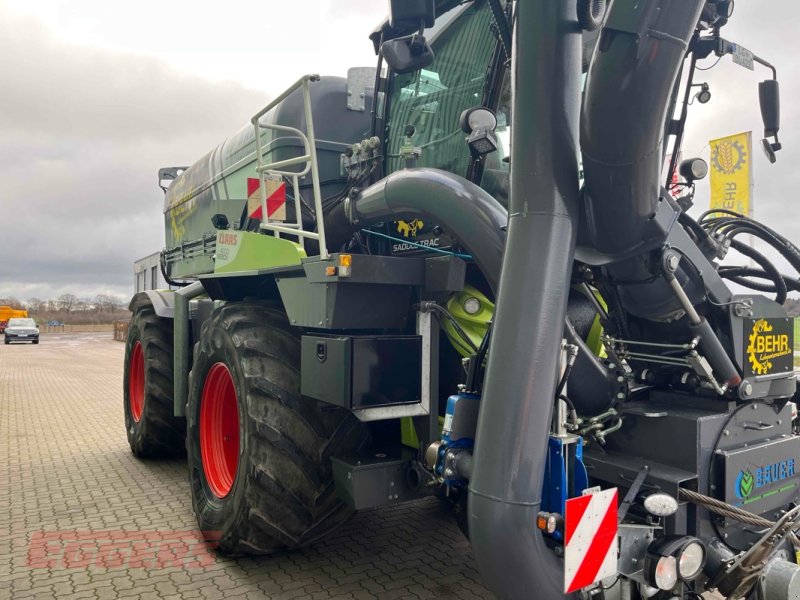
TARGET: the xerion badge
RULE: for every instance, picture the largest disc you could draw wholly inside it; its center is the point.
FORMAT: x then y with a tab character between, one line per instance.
770	346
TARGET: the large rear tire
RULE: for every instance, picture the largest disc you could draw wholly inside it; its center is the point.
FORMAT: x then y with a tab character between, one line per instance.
259	453
152	429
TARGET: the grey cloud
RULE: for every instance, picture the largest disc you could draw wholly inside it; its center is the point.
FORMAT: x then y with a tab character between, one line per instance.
734	108
53	89
82	135
83	132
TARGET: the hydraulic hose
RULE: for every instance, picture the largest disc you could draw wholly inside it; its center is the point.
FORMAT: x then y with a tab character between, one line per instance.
517	403
764	263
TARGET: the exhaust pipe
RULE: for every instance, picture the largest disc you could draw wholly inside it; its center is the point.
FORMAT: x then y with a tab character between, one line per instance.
516	408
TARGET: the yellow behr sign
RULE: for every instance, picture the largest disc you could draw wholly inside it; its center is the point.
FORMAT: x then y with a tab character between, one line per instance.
731	172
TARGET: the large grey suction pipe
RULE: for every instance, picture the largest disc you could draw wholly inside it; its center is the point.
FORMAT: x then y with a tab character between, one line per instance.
628	89
628	92
464	210
516	407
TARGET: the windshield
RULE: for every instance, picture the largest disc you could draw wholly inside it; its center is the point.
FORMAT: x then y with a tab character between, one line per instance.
432	99
21	323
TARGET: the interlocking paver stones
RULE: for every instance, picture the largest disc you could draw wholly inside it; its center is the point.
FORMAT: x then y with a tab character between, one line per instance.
81	517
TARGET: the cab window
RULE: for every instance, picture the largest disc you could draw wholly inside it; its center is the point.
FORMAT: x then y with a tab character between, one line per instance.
431	100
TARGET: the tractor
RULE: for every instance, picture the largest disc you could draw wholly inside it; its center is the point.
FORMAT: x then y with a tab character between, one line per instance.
464	274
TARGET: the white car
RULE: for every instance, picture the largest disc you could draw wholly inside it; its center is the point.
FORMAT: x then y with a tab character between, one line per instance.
21	330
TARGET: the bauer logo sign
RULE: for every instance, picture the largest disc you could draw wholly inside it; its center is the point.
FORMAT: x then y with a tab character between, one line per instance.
761	477
769	346
750	482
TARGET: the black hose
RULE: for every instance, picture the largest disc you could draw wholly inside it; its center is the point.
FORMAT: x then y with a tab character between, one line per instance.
737	223
741	273
573	414
733	228
753	285
563	381
693	226
764	263
455	324
474	381
162	260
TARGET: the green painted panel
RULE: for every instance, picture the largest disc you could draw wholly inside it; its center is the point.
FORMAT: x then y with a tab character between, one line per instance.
247	251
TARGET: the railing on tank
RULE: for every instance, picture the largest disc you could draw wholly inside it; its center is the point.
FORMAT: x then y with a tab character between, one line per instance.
309	159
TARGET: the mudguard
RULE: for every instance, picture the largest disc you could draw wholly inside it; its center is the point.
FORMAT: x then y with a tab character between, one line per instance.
163	302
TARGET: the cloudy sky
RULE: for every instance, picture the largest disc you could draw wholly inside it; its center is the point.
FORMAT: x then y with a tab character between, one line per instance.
95	96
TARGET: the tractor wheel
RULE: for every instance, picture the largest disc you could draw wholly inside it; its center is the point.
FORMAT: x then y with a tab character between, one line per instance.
259	453
152	429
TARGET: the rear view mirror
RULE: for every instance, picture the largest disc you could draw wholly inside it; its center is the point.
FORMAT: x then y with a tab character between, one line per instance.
770	101
769	152
407	54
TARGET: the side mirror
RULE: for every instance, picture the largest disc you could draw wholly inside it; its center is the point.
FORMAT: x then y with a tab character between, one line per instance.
410	14
770	101
769	151
407	54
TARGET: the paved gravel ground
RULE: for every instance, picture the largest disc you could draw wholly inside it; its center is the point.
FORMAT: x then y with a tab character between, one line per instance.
80	517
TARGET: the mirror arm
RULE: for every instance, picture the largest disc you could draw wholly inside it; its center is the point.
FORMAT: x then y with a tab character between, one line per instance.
720	46
764	63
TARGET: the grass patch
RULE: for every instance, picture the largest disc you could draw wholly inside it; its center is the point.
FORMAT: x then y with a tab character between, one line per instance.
797	333
796	343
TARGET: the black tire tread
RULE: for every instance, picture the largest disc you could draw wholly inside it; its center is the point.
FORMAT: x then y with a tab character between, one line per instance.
288	493
159	433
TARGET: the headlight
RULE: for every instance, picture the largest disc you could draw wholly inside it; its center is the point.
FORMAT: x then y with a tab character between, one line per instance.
691	560
673	557
666	574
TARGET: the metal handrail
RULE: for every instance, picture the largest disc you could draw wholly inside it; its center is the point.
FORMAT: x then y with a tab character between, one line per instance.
309	158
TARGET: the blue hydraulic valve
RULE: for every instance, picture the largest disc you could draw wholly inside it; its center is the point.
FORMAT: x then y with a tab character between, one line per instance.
450	458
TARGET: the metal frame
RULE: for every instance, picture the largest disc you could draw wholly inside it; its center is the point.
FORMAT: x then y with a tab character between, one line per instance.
309	159
381	413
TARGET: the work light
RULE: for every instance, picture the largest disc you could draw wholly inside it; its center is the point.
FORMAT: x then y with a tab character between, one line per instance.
671	558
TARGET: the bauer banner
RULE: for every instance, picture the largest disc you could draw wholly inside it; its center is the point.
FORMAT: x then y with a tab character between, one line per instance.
731	172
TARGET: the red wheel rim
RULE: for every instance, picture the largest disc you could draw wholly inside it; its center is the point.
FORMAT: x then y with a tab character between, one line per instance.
136	381
219	430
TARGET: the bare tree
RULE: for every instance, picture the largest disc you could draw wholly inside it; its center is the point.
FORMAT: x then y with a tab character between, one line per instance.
792	306
36	304
67	302
11	301
83	304
107	303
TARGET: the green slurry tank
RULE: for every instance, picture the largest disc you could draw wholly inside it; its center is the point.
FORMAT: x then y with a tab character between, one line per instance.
220	183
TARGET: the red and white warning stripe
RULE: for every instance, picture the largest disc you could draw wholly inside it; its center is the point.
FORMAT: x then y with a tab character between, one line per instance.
590	539
276	199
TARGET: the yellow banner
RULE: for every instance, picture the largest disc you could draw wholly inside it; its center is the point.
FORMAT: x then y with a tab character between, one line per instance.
731	172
